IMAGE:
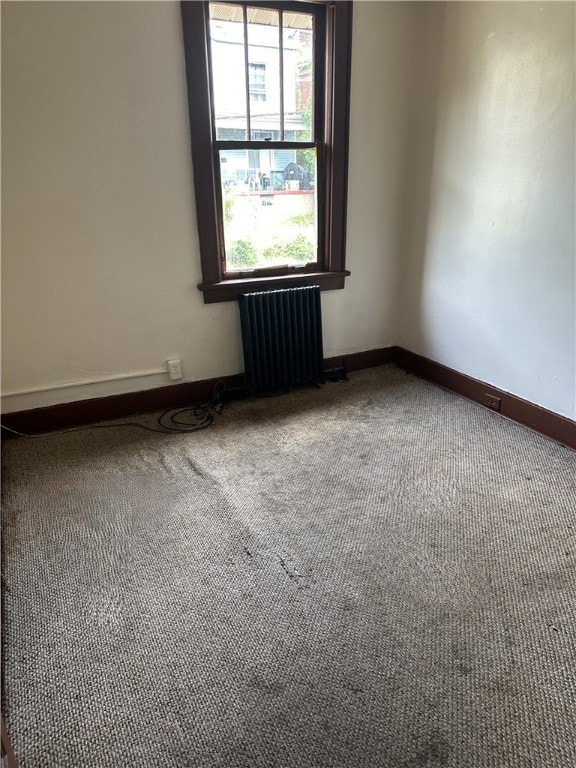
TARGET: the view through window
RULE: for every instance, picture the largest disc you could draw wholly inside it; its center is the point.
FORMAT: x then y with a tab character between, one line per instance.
262	78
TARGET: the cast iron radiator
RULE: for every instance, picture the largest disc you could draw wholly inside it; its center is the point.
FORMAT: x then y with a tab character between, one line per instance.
282	339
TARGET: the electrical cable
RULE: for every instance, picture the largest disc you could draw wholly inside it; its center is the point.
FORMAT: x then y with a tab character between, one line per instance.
170	424
169	421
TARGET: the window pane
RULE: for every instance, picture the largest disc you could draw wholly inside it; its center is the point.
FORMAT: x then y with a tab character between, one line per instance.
228	70
264	69
270	208
234	80
298	39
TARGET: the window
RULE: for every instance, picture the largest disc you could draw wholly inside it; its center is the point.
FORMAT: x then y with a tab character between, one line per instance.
268	93
257	82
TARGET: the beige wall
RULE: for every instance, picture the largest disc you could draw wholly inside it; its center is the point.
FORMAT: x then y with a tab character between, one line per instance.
489	254
461	199
100	252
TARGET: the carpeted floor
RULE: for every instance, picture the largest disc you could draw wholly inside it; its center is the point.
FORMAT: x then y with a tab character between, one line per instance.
376	574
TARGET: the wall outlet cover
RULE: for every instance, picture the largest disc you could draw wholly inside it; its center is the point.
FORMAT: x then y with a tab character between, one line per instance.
492	402
174	368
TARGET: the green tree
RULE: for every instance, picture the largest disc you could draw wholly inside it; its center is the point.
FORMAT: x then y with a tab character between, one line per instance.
301	220
307	160
228	205
306	157
298	249
241	253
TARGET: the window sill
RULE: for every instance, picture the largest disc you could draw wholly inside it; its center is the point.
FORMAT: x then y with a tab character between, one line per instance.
229	290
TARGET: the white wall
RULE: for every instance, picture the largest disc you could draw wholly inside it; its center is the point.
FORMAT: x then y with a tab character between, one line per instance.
489	272
100	254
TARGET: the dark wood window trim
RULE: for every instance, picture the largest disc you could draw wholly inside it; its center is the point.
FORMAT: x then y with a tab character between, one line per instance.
330	272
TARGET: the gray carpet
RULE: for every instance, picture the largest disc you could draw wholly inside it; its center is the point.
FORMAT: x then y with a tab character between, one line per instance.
372	574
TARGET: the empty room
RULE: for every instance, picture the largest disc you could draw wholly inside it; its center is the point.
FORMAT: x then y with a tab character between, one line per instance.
288	384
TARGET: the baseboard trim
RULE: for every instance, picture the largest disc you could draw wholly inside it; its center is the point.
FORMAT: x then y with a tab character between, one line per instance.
81	412
357	361
547	423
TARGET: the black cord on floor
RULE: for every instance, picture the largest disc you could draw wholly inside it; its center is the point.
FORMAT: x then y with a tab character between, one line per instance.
202	415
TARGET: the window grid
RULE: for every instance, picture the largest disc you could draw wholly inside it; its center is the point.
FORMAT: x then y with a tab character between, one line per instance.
328	136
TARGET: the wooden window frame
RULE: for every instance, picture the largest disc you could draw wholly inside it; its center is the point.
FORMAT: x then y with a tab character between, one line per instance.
330	272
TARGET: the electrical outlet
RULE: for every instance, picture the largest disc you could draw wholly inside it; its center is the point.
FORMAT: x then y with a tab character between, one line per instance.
492	402
174	368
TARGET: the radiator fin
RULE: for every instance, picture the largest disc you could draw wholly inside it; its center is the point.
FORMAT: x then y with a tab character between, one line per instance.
282	338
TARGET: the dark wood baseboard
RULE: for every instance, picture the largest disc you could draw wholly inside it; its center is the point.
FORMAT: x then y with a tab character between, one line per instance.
74	414
357	361
547	423
7	753
77	413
